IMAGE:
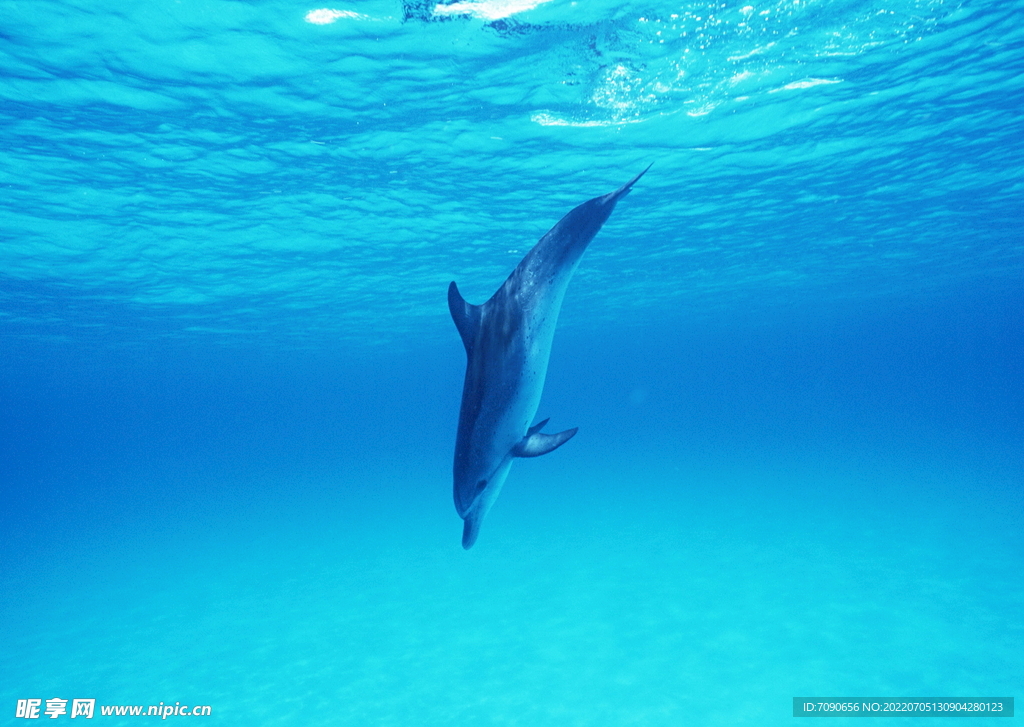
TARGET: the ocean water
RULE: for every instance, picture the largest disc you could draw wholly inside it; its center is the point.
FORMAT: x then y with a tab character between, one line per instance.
229	383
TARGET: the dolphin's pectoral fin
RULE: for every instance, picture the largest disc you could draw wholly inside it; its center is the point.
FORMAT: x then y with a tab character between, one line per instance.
534	444
536	427
465	315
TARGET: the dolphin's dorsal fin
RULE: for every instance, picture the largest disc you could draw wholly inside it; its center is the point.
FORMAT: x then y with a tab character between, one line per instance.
534	444
465	315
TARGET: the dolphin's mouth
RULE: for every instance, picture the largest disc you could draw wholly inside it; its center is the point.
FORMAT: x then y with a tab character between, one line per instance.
477	492
471	499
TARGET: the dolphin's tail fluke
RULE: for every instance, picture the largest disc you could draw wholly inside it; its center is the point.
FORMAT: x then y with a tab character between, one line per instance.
624	189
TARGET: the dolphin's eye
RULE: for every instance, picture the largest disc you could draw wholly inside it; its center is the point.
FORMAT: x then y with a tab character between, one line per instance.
481	485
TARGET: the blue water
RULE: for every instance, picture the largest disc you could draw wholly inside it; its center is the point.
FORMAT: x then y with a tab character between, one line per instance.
229	382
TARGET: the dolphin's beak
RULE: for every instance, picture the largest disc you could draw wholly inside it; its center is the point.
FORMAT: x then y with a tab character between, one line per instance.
470	529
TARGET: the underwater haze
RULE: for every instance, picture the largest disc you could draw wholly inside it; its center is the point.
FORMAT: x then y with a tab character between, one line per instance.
230	383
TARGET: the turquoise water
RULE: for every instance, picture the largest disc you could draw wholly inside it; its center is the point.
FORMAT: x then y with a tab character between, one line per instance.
229	382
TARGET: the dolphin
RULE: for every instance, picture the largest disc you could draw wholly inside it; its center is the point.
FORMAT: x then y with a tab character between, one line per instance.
508	343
